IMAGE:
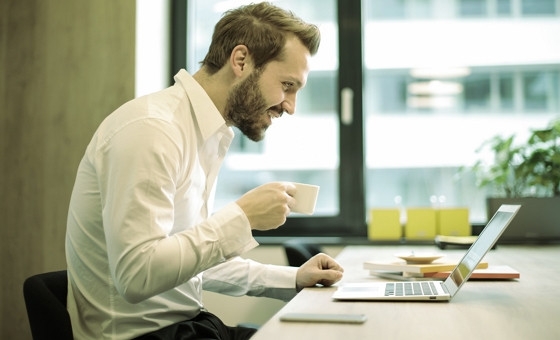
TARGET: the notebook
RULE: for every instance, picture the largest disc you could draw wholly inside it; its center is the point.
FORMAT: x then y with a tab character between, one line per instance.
434	290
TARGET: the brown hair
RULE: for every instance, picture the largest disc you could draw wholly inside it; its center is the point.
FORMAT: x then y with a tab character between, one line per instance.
261	27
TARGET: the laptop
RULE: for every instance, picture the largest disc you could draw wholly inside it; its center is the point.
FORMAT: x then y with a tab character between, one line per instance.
434	290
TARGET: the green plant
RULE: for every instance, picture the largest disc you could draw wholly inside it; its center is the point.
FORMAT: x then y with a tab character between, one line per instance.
528	169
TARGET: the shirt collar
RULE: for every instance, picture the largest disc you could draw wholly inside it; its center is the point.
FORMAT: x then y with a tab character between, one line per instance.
207	115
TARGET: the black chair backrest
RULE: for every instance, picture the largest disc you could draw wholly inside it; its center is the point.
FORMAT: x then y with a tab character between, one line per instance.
299	251
45	300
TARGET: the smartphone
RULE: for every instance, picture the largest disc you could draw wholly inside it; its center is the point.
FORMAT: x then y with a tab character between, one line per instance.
323	317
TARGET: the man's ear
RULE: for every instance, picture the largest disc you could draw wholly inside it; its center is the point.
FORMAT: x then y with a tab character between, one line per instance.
239	60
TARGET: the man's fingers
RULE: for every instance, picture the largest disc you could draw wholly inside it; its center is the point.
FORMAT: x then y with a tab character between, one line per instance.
331	277
327	262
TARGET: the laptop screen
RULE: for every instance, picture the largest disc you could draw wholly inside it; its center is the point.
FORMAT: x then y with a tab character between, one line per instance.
480	247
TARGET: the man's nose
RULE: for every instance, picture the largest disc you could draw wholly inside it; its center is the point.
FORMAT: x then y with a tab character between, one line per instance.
289	104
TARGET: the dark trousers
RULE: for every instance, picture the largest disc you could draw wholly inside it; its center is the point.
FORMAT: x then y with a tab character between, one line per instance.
205	326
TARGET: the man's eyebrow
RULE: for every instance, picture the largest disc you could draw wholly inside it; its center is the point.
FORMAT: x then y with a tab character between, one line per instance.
298	83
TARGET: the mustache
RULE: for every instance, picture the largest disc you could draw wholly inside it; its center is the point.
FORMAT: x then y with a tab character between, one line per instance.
279	110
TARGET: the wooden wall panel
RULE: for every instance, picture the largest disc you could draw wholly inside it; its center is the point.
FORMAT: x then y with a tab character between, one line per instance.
64	65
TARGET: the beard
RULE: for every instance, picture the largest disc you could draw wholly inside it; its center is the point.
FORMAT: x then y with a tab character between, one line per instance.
246	108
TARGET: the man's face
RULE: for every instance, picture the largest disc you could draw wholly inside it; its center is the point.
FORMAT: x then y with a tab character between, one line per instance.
246	108
268	93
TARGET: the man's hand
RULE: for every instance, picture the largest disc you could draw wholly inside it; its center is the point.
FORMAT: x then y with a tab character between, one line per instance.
320	269
268	205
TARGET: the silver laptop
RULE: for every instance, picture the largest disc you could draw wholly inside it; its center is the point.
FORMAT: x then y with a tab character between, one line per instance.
434	290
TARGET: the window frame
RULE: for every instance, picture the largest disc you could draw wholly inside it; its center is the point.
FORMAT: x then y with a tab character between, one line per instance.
351	220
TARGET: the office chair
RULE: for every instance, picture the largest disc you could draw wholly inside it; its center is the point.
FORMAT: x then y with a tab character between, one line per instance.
45	300
298	251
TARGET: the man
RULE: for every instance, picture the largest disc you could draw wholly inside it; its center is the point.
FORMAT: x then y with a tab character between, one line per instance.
141	243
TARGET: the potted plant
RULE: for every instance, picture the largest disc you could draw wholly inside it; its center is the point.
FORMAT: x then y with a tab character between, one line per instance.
526	174
541	160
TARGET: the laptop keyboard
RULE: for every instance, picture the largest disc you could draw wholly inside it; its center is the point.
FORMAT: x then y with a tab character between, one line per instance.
410	288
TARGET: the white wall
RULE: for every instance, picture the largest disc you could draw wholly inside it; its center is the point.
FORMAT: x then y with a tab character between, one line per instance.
152	46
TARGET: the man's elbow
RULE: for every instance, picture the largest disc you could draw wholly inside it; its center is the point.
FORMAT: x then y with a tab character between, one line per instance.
132	289
133	295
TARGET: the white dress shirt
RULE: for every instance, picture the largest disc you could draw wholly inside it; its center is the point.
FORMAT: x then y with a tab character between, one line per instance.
140	242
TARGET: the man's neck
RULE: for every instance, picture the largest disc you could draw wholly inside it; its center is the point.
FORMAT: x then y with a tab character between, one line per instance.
216	85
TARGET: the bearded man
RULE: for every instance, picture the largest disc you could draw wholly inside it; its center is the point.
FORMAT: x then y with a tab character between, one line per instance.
141	242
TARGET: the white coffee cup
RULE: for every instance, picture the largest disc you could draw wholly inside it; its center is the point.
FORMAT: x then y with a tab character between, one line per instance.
306	198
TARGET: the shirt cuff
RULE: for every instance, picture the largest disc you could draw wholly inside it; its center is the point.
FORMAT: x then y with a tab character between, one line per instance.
234	231
281	276
283	279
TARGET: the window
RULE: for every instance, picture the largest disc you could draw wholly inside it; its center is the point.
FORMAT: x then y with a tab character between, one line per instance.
535	86
503	7
300	148
538	7
472	8
426	93
505	96
476	91
436	89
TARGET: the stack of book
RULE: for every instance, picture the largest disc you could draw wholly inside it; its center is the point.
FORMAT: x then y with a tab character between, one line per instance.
402	270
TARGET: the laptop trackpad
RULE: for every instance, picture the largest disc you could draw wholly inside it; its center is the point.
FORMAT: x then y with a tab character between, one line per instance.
360	290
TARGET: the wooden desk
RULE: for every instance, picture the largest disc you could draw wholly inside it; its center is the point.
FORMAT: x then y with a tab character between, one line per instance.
527	308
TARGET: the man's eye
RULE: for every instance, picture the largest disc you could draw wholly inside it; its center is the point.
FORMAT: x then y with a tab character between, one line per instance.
287	85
